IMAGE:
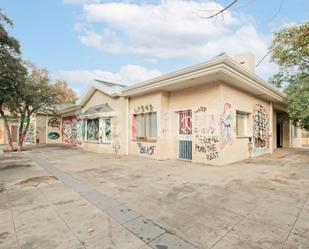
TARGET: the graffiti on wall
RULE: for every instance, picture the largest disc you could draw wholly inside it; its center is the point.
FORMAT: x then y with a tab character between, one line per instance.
116	136
207	146
54	125
30	133
205	132
1	132
143	109
227	126
165	123
260	127
72	130
54	122
147	150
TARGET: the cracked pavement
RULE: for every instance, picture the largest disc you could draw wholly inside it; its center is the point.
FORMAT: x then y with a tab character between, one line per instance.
63	197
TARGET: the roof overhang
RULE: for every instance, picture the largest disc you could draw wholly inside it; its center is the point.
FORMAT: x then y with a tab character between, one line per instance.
221	68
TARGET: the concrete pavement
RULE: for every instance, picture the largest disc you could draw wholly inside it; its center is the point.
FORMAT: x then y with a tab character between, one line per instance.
98	201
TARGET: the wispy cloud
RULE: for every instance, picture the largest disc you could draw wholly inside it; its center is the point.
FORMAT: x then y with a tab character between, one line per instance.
128	74
170	30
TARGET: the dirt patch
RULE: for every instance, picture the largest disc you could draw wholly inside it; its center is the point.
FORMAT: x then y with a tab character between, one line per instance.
35	181
1	187
6	158
64	202
280	180
3	235
14	166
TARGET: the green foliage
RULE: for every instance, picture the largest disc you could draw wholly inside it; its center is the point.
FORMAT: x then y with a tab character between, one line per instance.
12	71
290	50
298	98
67	95
36	95
24	88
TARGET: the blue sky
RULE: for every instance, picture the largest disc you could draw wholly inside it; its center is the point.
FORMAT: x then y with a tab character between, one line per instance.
131	41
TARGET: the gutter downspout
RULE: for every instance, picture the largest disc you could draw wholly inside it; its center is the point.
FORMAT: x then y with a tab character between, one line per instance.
127	126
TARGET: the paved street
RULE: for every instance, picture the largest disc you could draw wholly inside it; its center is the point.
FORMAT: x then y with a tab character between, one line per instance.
63	197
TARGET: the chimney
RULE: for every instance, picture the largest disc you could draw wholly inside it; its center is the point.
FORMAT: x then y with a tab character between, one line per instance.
247	60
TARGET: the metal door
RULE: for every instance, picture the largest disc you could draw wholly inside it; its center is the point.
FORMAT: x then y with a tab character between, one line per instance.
185	135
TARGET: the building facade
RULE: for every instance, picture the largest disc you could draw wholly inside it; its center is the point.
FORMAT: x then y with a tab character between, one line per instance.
207	113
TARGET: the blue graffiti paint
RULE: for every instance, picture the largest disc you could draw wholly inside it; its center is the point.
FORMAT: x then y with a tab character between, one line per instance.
53	135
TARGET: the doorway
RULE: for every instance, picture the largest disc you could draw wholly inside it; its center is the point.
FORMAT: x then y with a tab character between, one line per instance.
185	135
279	134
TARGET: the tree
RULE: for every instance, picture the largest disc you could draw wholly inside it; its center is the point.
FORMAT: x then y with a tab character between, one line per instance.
67	94
36	95
12	72
290	50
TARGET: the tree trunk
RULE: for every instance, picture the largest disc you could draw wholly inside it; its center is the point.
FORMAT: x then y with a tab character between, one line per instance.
22	131
8	131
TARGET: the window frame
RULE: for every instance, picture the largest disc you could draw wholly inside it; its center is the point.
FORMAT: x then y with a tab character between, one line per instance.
246	124
87	134
146	129
104	140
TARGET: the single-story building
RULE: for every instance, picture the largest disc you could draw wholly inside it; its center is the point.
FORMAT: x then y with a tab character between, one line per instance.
207	113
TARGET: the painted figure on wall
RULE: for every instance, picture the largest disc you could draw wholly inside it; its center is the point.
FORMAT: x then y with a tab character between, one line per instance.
226	126
54	125
72	130
260	123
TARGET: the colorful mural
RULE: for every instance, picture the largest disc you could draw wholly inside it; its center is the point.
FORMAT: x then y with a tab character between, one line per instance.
72	130
227	126
30	137
54	126
260	130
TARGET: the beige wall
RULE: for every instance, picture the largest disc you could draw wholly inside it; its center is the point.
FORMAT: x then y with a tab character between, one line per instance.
118	123
244	102
207	125
41	124
153	149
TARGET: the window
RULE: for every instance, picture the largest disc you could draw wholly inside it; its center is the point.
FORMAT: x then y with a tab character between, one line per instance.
242	124
107	130
144	126
93	129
